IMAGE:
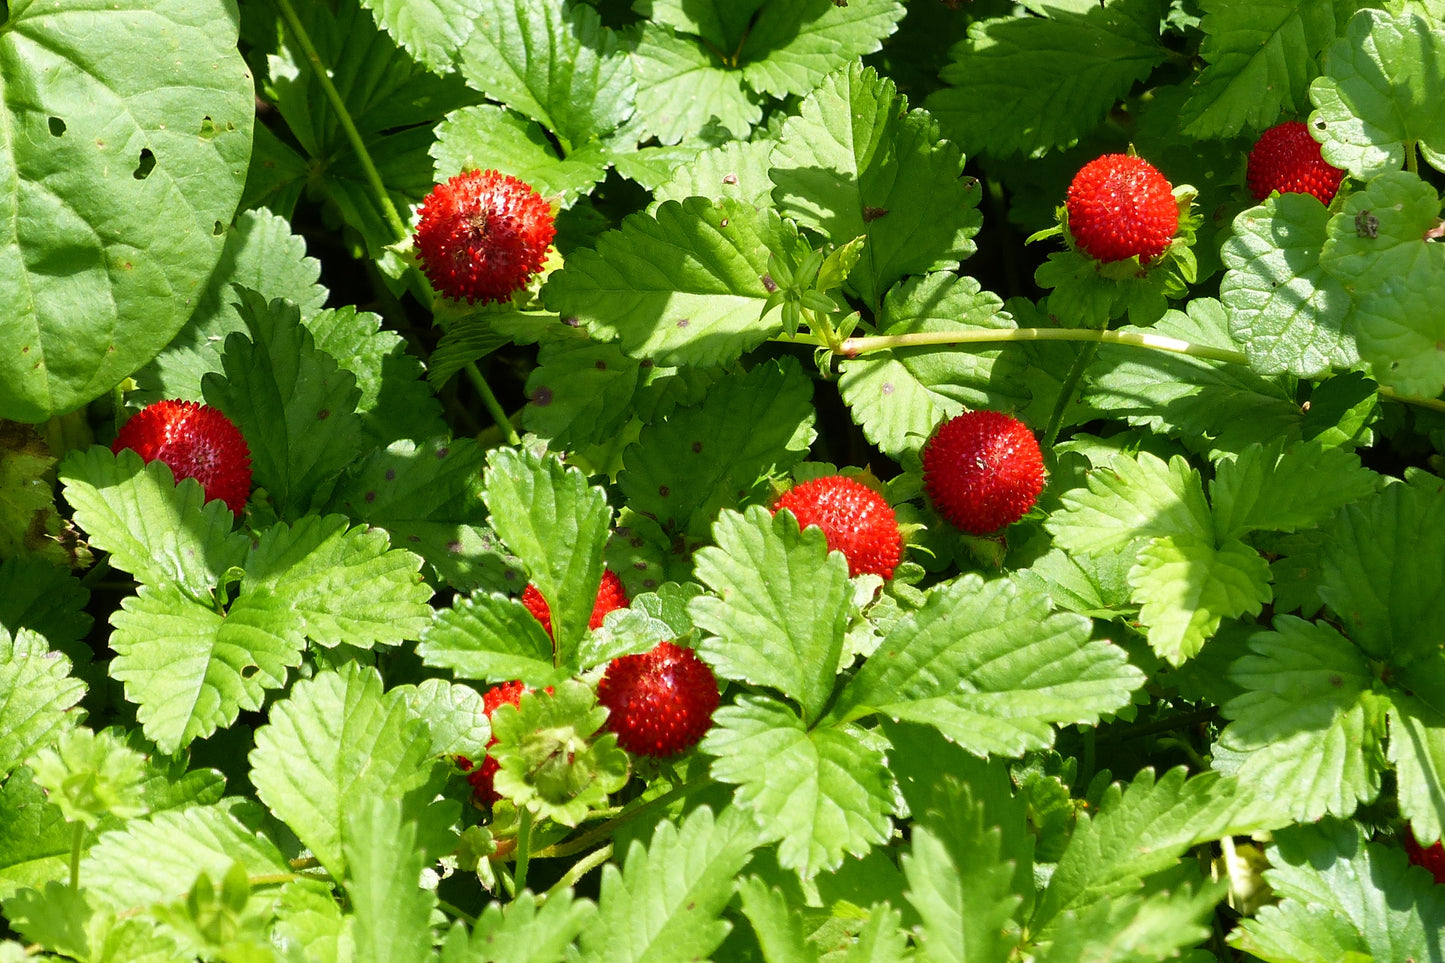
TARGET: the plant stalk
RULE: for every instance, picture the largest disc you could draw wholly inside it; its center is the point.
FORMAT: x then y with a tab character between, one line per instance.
493	406
524	847
77	843
591	838
579	869
856	346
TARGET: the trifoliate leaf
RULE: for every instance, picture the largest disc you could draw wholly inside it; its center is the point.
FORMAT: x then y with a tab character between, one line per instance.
91	775
491	638
681	87
1379	94
430	30
1212	406
554	63
1389	270
428	496
35	839
681	286
557	524
823	793
736	169
550	762
1308	725
155	859
781	605
37	694
778	928
899	396
395	401
1185	586
665	904
1260	58
392	912
959	880
1285	309
293	402
1139	831
191	669
1342	898
1417	750
346	583
261	253
1383	573
336	739
521	931
721	453
492	137
29	522
1284	488
454	715
160	532
1030	84
1133	498
852	163
990	667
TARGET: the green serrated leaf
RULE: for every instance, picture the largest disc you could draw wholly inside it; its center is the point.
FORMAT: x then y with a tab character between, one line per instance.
790	47
1133	498
163	533
35	839
681	87
781	605
430	30
1278	488
1308	726
37	694
582	392
557	524
748	429
1287	311
492	137
898	397
665	904
549	761
335	739
852	163
681	286
649	618
454	714
1417	750
1185	586
1379	94
1342	898
989	667
520	931
392	912
1260	63
115	217
346	583
490	638
91	775
1031	84
736	169
779	929
191	669
294	404
30	525
824	793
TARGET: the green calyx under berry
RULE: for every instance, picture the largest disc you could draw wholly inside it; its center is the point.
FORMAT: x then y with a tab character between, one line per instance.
856	520
195	441
982	470
482	236
1118	207
660	703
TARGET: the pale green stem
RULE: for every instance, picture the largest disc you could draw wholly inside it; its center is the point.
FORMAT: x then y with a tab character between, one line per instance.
579	869
1066	391
493	406
524	846
856	346
77	843
605	831
343	116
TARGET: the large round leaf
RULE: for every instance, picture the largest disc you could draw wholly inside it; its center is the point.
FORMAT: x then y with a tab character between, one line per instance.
125	133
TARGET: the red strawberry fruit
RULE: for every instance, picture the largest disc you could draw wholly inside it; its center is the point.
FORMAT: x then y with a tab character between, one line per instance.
982	470
1287	159
482	235
508	693
1430	857
660	703
857	521
196	441
1119	206
610	595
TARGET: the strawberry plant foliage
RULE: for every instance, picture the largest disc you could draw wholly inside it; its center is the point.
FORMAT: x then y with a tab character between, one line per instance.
506	649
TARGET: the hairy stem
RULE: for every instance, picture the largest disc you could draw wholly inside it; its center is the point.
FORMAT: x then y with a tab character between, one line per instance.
77	843
591	838
493	406
856	346
343	116
579	869
524	846
1066	392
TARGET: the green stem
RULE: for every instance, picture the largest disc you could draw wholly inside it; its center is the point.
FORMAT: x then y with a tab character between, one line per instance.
589	839
524	846
77	843
456	912
856	346
1391	394
1412	157
493	406
1066	392
579	869
343	116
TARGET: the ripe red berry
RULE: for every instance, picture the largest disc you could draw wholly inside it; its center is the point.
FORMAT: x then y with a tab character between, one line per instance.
982	470
1120	206
857	521
660	703
1430	857
196	441
610	595
1287	159
482	235
508	693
